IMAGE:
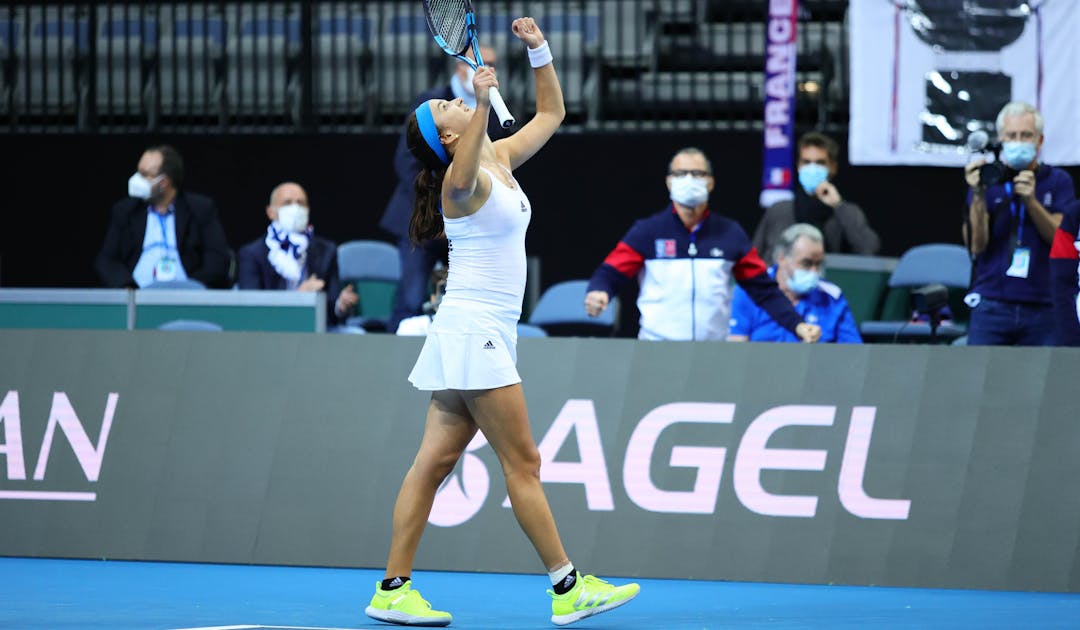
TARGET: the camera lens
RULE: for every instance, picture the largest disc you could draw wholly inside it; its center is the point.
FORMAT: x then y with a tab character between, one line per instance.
991	174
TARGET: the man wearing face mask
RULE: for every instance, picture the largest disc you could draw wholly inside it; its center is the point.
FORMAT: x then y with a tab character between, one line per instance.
162	233
685	258
1011	224
800	259
417	262
818	202
290	257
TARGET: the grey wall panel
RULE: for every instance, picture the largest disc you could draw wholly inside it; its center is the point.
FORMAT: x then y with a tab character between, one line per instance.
895	465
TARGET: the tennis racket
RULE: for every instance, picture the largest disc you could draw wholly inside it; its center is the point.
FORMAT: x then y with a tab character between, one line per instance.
453	24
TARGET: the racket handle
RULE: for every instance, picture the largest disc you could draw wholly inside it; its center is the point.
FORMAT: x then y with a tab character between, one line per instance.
506	119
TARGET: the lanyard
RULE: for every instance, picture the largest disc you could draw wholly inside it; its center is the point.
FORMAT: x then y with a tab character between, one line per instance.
1013	213
164	232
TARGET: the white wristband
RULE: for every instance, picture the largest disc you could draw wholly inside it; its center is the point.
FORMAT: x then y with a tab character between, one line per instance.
541	56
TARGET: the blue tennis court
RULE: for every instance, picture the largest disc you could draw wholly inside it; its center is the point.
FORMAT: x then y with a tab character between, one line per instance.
86	594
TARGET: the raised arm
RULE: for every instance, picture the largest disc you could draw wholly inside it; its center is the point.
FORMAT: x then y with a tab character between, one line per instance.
550	110
460	183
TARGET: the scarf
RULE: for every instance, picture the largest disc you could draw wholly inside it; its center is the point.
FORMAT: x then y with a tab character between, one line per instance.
809	209
288	253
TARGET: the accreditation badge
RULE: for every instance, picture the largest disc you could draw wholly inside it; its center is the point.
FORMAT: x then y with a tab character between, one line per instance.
1021	261
165	269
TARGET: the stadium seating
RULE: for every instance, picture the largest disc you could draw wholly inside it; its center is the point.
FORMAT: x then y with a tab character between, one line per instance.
941	263
192	62
561	312
191	324
374	268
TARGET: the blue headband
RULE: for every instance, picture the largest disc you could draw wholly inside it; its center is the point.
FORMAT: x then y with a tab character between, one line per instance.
426	122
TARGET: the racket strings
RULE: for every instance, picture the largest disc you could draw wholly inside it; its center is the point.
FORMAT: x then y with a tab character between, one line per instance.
448	21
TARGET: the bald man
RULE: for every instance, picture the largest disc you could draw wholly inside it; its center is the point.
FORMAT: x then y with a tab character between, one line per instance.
290	257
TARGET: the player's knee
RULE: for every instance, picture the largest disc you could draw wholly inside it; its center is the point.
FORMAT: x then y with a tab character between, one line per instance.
435	467
525	463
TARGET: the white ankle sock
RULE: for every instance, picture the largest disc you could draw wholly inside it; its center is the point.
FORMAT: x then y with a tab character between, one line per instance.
558	575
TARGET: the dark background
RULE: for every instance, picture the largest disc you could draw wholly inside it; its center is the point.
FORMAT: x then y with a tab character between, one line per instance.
586	190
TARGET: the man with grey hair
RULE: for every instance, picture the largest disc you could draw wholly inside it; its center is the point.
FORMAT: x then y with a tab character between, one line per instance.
800	261
1013	211
685	258
290	257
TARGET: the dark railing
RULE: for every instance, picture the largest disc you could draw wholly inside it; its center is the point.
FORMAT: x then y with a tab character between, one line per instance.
282	66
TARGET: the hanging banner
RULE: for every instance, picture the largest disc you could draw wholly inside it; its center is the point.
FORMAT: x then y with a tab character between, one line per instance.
780	54
926	75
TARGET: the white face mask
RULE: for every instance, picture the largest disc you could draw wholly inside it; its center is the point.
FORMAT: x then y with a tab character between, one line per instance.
292	218
689	191
467	83
140	187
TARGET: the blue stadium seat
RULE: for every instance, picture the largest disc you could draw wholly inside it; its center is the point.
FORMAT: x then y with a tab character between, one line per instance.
528	330
191	65
56	40
124	43
939	263
259	81
406	60
561	312
191	324
186	285
374	268
10	31
342	52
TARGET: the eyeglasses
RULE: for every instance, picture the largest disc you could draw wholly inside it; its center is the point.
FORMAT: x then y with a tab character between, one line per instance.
681	172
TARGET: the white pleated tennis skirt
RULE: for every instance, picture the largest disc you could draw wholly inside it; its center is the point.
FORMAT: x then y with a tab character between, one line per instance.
466	360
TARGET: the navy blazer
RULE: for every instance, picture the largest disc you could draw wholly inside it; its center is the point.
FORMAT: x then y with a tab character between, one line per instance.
254	270
200	238
398	212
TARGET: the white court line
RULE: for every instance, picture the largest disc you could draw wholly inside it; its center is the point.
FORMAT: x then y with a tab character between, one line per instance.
265	628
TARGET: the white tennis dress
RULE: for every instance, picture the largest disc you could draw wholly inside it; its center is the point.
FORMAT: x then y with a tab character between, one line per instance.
472	342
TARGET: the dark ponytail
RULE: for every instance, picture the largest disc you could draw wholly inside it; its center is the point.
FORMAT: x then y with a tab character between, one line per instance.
426	222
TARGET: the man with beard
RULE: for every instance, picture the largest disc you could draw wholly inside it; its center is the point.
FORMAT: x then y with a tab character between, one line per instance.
160	233
818	203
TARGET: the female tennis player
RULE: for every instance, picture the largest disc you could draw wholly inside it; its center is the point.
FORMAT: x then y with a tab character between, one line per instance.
468	360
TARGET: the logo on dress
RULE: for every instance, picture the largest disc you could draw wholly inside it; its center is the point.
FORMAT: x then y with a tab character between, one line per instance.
665	248
523	207
489	345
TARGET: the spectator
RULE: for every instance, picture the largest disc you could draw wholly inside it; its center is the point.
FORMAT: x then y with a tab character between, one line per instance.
419	324
161	232
290	256
1011	224
418	261
818	202
800	262
1065	277
686	256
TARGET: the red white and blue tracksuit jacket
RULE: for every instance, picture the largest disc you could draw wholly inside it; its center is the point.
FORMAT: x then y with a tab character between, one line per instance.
1065	277
686	276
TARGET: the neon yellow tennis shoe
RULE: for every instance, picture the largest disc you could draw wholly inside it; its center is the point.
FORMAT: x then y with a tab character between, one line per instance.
404	606
590	596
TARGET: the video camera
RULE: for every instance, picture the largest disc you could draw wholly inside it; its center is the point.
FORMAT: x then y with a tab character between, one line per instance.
991	173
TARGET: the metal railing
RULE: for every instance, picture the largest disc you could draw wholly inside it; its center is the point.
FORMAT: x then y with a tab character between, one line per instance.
340	66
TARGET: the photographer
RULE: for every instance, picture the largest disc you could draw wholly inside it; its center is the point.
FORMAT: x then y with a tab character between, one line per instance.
1014	209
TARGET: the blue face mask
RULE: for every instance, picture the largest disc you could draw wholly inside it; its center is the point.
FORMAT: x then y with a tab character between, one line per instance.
803	281
811	176
1017	155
